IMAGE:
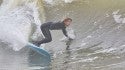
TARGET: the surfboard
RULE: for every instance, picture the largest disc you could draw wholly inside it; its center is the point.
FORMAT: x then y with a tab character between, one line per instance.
39	50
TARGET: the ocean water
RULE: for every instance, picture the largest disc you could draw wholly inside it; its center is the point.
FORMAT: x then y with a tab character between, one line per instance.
99	27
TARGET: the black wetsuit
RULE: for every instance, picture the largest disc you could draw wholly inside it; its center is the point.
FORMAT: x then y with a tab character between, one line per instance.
46	27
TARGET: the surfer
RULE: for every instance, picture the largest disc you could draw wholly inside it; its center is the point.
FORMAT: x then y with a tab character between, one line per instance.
46	27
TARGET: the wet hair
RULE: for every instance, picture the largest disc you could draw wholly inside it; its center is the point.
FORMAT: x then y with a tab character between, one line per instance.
66	19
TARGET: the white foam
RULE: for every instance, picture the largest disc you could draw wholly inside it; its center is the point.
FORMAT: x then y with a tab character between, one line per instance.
109	50
83	44
12	29
68	1
16	26
117	17
71	33
86	60
55	2
64	39
36	67
49	1
89	36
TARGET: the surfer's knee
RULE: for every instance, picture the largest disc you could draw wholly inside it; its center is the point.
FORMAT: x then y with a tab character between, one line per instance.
48	39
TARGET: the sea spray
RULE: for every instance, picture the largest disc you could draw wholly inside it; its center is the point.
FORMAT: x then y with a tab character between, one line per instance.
16	25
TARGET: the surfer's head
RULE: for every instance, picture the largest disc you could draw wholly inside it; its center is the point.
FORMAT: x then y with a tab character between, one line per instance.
67	21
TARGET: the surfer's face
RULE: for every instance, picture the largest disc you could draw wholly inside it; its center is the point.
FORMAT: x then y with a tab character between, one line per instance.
68	22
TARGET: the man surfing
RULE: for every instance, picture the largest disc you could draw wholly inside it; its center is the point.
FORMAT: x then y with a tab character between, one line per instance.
46	27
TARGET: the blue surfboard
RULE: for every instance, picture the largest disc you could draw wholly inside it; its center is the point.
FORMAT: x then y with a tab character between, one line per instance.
39	50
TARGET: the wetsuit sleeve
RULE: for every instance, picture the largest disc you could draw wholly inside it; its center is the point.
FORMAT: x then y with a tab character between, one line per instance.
64	32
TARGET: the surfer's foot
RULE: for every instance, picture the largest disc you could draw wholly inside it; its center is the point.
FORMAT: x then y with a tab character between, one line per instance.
36	43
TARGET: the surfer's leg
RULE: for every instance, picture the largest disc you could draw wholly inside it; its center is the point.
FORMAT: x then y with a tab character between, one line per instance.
47	35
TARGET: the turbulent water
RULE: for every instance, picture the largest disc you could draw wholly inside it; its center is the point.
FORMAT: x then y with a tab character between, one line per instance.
99	27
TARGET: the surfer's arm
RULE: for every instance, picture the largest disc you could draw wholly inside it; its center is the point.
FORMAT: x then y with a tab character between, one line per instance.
64	32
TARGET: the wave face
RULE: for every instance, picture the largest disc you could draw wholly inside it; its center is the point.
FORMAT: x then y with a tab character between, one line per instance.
100	34
96	25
